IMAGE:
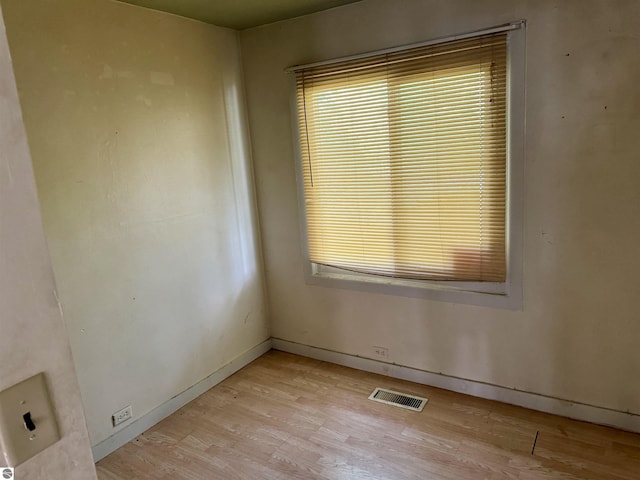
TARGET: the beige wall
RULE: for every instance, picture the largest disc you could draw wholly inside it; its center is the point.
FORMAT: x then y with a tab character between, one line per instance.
33	338
135	120
577	336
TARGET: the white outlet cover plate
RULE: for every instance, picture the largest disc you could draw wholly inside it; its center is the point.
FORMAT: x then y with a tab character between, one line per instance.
122	416
17	442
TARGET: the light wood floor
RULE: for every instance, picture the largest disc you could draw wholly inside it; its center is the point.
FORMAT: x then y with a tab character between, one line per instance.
289	417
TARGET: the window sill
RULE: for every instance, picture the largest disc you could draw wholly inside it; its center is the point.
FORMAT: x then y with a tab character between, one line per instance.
493	295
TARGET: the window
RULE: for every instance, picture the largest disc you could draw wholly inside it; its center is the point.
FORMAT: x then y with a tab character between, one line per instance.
404	166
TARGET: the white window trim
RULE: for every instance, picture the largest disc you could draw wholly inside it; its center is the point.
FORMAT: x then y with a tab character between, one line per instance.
507	295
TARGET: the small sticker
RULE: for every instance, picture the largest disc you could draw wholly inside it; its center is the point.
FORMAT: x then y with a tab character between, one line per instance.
7	472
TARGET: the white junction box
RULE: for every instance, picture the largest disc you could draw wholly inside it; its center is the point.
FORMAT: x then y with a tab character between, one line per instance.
27	421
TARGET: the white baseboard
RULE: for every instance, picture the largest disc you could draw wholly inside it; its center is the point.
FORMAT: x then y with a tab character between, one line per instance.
534	401
147	421
542	403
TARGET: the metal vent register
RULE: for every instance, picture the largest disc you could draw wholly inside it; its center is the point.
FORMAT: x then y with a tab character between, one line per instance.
402	400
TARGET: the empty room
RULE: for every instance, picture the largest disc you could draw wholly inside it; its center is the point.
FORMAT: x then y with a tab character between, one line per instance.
319	239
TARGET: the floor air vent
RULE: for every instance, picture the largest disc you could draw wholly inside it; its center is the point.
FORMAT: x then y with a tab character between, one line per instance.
402	400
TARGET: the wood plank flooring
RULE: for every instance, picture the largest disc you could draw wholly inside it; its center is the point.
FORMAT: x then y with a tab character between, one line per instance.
290	417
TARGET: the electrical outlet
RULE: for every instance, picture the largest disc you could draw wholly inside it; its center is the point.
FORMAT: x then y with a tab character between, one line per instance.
122	415
381	352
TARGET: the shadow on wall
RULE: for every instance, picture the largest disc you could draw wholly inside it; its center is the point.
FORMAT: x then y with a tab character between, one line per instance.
247	299
243	299
240	154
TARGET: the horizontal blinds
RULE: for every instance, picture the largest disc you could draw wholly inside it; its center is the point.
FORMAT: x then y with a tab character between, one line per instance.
404	161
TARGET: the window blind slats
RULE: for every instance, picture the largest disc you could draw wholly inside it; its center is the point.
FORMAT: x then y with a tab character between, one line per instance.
404	161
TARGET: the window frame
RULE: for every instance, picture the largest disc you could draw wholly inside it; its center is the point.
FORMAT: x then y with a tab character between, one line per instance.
506	295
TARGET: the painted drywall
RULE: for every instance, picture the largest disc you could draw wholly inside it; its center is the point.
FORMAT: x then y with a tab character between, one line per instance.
33	338
576	337
136	125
